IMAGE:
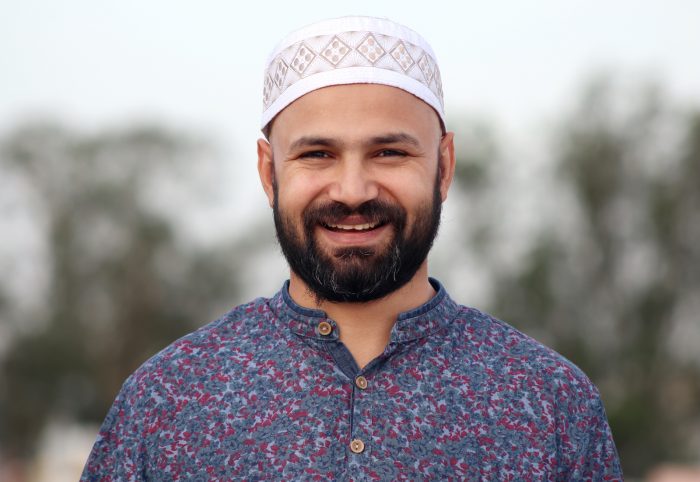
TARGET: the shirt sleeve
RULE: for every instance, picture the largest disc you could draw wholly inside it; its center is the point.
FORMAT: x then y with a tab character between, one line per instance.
594	456
119	451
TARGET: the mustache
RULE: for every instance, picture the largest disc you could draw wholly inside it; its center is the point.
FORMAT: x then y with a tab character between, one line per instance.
374	211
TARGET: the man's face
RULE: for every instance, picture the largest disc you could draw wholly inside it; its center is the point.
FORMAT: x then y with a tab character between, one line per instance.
352	175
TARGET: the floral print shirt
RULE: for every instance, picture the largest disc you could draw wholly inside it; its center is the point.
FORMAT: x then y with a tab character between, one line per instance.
269	392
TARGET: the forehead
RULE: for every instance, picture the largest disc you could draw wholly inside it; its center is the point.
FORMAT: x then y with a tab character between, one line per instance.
355	108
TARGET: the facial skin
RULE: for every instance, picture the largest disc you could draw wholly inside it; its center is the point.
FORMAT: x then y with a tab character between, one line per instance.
356	175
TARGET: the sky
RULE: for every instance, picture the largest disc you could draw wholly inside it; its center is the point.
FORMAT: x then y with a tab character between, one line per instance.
201	62
198	65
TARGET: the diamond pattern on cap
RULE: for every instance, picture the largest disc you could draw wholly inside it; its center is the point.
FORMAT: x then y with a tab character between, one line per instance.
426	66
347	50
335	51
402	57
267	89
370	49
280	72
302	59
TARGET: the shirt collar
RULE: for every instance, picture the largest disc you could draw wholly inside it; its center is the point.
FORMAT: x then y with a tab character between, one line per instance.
410	325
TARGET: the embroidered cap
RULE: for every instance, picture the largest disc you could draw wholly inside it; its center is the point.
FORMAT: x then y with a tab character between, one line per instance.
350	50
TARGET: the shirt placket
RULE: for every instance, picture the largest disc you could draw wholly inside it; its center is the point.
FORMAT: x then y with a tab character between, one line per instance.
359	443
367	428
345	362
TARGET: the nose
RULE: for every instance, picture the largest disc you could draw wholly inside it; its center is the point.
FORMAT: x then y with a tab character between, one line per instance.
353	184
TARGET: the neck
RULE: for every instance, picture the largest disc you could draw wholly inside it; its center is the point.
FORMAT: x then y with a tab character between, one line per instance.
365	328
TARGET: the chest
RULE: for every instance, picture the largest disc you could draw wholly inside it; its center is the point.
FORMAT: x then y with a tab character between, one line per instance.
309	412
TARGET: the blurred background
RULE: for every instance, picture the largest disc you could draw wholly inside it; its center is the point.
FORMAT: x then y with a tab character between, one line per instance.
130	211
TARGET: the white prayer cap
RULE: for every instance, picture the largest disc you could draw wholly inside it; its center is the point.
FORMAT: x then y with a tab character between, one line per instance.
350	50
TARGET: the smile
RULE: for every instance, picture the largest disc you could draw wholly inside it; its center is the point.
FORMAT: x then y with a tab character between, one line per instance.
351	227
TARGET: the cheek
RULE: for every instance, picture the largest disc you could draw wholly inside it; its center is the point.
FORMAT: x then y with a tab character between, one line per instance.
412	191
298	186
293	196
417	197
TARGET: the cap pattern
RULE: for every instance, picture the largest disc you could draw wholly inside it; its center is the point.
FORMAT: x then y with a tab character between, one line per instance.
345	50
385	55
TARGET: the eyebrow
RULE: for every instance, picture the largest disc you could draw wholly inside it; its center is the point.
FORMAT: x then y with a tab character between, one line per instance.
308	141
391	138
395	138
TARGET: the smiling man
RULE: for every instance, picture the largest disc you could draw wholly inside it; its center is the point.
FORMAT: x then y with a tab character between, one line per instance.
361	367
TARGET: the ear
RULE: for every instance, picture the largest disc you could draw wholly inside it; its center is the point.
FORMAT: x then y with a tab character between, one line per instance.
266	169
447	163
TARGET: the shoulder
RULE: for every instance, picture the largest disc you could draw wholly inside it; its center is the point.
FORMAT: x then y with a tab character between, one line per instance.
174	386
207	351
538	398
512	357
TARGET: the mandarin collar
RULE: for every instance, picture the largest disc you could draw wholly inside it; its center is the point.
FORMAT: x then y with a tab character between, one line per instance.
410	325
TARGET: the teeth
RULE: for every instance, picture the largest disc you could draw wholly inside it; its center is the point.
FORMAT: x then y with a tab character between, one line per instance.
353	227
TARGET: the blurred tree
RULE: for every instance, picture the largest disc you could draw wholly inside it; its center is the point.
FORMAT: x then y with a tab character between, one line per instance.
122	283
611	278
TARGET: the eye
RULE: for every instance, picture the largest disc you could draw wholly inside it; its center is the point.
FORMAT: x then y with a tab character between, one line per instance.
314	155
391	153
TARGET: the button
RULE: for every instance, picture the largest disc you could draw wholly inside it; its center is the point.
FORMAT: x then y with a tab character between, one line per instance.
361	382
357	446
325	328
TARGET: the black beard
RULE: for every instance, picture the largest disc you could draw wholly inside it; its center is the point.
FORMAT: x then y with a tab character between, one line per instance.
357	274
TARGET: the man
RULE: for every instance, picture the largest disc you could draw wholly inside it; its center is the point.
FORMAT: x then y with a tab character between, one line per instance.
361	367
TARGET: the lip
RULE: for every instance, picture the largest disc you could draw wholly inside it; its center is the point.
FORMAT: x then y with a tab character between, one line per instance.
354	238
